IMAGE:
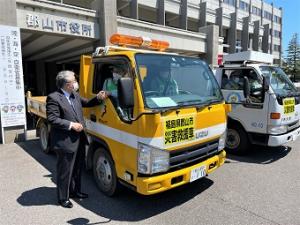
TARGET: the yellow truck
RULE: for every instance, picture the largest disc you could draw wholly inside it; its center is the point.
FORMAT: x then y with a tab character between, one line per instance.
164	124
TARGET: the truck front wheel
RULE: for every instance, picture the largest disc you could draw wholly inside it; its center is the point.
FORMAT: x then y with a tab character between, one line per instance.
44	138
104	172
237	141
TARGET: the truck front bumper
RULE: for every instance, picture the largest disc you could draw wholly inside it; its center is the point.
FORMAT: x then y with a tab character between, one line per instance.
160	183
284	138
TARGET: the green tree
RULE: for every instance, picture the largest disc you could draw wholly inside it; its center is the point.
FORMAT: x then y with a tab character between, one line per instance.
293	57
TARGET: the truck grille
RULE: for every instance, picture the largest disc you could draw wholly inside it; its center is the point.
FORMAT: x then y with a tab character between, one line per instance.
184	157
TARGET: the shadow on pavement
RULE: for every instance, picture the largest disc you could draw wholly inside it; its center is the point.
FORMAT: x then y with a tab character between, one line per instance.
261	154
84	221
127	206
38	196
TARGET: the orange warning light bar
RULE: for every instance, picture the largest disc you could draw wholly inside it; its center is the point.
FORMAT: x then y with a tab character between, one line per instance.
120	39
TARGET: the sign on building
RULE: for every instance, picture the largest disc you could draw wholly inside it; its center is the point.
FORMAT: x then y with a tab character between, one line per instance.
47	21
12	100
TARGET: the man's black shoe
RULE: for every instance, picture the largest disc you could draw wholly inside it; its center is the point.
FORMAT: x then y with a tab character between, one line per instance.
79	195
66	203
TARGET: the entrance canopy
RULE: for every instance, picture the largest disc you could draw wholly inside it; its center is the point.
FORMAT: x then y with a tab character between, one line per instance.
54	32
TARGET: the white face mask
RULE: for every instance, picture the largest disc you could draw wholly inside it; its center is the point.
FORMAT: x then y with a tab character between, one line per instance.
116	77
75	86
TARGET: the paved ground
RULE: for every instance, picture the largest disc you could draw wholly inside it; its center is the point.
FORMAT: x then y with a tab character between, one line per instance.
263	188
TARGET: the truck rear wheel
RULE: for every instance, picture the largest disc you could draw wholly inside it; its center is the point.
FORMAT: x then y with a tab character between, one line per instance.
237	141
44	138
105	173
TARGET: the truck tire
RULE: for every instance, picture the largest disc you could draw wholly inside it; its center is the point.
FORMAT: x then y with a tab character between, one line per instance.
105	173
44	138
237	141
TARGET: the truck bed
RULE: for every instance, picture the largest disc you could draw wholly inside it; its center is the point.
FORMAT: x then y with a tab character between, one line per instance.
36	105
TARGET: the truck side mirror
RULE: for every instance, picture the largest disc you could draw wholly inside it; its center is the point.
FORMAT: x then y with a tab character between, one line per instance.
246	88
125	93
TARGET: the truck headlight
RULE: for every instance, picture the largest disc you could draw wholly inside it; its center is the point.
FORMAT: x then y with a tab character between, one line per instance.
152	160
277	129
222	141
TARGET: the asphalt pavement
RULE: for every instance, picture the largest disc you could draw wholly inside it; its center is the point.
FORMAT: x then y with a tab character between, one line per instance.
261	188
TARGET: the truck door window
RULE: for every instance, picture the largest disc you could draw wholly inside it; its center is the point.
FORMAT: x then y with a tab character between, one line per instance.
106	76
233	79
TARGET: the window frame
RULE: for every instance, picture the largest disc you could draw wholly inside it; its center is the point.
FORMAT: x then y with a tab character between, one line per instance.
235	69
244	6
108	60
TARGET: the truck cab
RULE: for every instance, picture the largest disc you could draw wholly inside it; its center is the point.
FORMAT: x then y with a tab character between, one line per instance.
164	124
270	113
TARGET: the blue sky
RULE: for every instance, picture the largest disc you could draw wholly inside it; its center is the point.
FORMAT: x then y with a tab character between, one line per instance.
291	19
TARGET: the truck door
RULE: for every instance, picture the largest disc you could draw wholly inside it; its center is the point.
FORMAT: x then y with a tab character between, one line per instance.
253	117
109	122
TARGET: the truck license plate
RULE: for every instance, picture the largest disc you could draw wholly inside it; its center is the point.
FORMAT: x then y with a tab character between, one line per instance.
197	173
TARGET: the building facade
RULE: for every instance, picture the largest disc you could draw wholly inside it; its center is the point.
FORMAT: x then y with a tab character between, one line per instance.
54	33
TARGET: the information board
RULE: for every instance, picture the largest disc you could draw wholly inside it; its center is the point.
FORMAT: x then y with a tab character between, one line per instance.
12	98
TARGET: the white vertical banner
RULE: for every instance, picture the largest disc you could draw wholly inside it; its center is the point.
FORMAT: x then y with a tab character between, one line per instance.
12	97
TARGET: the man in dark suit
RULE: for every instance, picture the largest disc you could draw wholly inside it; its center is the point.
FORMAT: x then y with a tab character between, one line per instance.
67	136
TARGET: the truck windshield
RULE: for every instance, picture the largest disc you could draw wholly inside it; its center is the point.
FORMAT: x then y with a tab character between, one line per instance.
279	81
174	81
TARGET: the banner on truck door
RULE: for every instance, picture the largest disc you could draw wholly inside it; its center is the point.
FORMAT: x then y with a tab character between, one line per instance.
12	100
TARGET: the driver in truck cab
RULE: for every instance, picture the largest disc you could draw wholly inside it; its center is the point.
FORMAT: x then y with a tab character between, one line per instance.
161	81
114	74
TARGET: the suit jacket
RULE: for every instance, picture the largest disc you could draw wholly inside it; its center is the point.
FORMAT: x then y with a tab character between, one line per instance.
60	114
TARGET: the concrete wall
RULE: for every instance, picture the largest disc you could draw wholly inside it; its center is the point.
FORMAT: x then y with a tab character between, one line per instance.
8	14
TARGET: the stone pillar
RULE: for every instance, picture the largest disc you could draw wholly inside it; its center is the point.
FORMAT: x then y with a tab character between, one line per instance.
212	43
8	12
134	9
262	13
245	34
280	53
272	30
202	16
160	19
232	32
265	40
219	20
183	15
255	45
107	12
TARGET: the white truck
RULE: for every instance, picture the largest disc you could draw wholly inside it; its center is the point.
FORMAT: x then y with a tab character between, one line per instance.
270	114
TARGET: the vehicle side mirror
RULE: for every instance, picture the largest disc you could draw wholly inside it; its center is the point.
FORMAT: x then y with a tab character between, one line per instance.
125	93
246	88
266	83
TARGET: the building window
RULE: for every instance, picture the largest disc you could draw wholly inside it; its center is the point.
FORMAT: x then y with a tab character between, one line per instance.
267	15
230	2
244	6
83	4
276	61
256	11
277	48
276	33
277	19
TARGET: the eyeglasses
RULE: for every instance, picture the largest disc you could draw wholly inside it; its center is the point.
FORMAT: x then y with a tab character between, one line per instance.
73	81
